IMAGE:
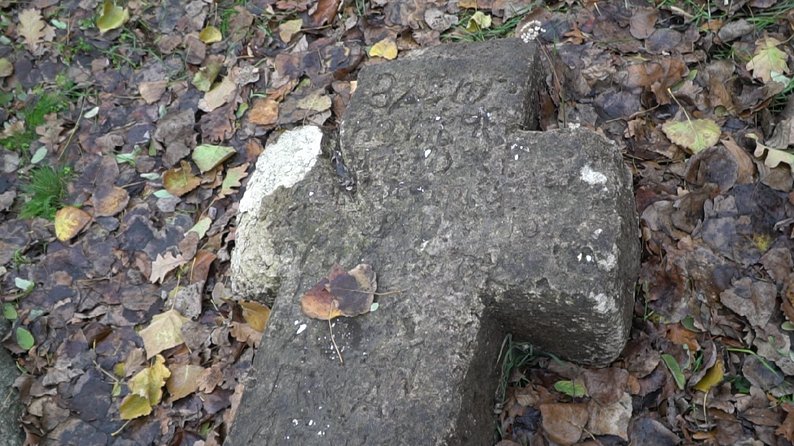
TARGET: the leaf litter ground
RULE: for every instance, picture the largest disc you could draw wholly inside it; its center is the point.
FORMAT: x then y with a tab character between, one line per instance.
122	319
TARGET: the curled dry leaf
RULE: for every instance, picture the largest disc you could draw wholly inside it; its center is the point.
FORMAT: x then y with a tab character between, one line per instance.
341	293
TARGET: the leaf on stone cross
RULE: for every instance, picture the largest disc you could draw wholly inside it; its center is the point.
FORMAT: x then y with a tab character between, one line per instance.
288	29
232	180
210	34
768	60
184	380
385	48
180	180
712	378
675	370
163	265
164	332
146	390
112	17
255	314
33	29
69	221
695	134
773	156
478	22
209	156
341	293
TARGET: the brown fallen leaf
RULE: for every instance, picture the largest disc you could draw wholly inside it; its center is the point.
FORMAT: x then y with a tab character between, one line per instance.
180	180
109	200
151	92
341	293
69	221
255	314
184	380
564	423
264	112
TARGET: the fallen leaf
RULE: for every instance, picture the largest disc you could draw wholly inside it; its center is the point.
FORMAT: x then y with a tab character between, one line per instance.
69	221
564	423
109	200
575	388
206	75
773	156
210	34
231	181
184	380
315	101
255	314
33	29
695	134
478	21
341	293
151	92
325	12
209	156
245	333
180	180
24	338
218	95
201	227
163	265
768	59
264	112
112	17
385	48
146	388
164	332
6	67
712	378
288	29
675	370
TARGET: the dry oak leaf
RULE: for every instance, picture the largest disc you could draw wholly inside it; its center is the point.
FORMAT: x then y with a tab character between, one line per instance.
33	29
341	293
163	265
768	60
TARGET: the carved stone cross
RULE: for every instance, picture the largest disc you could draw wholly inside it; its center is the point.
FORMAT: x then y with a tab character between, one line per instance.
488	227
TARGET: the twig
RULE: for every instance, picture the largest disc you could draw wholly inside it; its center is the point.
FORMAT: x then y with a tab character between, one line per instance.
333	341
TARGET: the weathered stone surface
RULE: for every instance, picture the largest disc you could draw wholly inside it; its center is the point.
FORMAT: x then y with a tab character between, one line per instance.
10	407
487	227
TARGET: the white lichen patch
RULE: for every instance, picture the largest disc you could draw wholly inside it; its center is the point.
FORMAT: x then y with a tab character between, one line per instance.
283	163
610	261
592	177
602	303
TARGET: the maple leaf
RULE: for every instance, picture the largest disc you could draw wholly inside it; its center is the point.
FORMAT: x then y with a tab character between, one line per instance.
33	29
768	60
164	264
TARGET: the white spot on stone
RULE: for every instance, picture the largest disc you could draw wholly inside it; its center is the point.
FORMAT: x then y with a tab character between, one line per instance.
579	257
282	164
602	303
590	176
516	157
611	260
311	422
424	245
296	323
301	328
438	118
597	232
427	153
588	258
294	422
311	194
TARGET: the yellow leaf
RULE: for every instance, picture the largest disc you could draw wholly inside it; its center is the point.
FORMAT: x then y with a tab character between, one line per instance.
164	332
386	49
184	380
69	221
288	29
210	34
695	134
134	406
255	314
112	17
712	378
180	180
149	382
478	21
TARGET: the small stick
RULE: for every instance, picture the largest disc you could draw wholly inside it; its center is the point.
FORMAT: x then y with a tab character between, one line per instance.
333	341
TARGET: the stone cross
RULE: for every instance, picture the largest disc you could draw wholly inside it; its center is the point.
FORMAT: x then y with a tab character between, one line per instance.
488	228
